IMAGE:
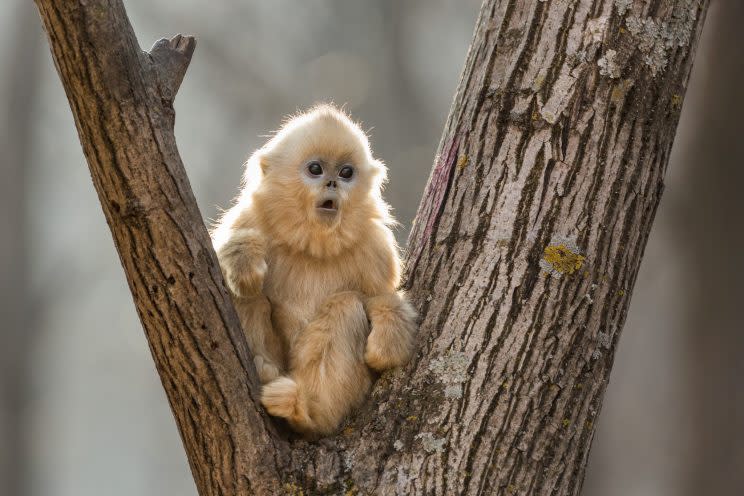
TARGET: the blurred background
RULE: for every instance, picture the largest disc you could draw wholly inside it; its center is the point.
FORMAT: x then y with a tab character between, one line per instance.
82	411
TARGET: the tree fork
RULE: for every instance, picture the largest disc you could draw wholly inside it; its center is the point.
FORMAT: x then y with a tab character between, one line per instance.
521	261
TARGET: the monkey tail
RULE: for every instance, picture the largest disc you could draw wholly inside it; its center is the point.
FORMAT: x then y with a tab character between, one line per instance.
284	398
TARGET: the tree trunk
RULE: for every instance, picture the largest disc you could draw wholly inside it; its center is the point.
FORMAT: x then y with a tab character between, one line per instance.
521	261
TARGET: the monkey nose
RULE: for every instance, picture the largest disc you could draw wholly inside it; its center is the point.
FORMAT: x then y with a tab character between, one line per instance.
331	185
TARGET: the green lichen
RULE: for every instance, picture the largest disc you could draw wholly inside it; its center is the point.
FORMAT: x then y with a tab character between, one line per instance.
655	38
292	489
622	6
563	259
451	371
676	101
620	90
604	340
608	65
537	84
430	443
462	162
351	489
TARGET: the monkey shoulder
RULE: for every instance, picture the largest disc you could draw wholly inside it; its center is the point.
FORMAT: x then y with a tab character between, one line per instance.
377	262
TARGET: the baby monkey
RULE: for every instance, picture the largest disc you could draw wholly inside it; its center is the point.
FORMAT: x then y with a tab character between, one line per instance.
313	266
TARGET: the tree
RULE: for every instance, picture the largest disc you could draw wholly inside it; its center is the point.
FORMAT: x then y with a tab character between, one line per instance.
521	261
17	303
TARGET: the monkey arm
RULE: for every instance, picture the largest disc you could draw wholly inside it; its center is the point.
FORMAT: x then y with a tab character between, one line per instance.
267	346
241	251
242	256
393	324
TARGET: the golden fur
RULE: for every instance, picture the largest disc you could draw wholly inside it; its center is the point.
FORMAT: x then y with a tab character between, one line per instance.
315	287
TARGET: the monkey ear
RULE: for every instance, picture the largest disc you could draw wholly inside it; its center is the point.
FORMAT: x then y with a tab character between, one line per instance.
261	161
254	172
379	172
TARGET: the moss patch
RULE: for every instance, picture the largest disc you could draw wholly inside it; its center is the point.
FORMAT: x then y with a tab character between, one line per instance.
562	259
462	162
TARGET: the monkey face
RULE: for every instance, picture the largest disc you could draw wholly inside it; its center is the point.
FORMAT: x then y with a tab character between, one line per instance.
320	186
331	186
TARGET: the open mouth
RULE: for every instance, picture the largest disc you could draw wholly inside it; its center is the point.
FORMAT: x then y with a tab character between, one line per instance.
329	206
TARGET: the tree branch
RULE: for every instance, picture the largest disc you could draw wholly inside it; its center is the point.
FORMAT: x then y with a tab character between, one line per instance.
172	58
121	101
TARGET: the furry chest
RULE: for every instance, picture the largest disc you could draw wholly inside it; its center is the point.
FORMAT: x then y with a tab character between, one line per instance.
297	288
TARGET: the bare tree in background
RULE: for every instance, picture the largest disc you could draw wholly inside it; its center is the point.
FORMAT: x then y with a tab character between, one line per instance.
521	261
705	216
17	336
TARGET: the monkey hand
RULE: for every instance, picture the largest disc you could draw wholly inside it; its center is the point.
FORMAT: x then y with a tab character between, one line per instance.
390	341
243	265
247	280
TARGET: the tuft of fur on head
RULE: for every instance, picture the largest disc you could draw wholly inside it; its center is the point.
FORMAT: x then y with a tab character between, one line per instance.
286	198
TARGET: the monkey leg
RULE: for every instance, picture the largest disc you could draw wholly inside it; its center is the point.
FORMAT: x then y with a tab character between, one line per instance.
390	341
266	344
328	376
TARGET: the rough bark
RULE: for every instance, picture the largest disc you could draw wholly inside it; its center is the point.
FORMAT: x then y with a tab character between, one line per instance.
521	261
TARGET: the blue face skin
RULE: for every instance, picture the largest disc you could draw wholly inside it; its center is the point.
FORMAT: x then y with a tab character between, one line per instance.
331	182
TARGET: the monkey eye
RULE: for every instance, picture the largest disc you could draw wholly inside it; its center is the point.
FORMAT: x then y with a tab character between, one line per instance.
315	169
346	172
